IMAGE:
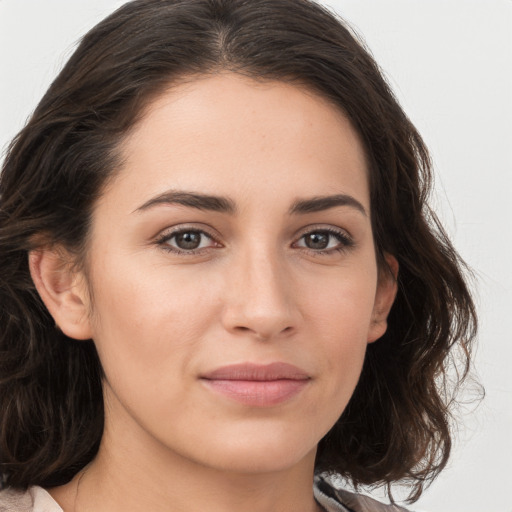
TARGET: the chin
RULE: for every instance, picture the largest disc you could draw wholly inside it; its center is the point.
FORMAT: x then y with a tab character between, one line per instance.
259	454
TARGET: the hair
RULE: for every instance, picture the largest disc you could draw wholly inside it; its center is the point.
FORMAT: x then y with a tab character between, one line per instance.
396	426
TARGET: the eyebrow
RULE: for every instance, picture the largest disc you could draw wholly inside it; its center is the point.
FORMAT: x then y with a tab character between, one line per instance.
226	205
193	200
320	203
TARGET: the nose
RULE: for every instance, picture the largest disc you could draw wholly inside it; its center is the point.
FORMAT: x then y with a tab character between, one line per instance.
259	297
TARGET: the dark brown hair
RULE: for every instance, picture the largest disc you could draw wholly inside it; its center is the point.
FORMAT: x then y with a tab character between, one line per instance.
396	425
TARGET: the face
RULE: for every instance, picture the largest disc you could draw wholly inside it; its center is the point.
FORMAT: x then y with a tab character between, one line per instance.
233	274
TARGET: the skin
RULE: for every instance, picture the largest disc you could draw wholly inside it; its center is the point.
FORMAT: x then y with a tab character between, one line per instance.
254	291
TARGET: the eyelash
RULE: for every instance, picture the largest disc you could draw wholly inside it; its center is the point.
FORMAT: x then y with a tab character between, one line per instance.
346	242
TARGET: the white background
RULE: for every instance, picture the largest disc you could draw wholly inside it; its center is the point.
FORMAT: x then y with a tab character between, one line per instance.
450	64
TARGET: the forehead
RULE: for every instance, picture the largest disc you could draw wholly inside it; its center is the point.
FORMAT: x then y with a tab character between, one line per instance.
225	133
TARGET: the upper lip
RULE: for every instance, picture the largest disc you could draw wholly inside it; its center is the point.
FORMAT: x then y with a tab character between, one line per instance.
257	372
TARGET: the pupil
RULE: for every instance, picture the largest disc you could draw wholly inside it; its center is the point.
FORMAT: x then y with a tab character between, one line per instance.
317	240
189	240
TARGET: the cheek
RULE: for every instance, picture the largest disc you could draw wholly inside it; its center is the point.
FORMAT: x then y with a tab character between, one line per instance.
147	320
339	316
341	303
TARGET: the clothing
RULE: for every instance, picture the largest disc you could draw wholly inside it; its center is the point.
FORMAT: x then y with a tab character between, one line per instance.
36	499
339	500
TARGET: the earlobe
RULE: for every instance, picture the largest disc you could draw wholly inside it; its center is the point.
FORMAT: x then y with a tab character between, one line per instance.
385	296
61	291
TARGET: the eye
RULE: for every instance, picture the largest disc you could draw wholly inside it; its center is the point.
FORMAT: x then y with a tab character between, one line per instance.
325	241
186	241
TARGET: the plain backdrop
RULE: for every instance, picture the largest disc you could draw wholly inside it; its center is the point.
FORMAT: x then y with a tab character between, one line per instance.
450	65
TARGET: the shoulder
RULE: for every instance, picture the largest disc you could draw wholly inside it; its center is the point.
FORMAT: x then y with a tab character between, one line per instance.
35	499
339	500
13	500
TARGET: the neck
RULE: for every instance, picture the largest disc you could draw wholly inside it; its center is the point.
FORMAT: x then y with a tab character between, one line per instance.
179	489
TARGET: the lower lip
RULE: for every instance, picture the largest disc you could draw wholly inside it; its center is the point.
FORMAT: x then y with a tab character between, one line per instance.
258	393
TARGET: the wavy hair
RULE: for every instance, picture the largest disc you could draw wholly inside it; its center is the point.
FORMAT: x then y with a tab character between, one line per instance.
397	424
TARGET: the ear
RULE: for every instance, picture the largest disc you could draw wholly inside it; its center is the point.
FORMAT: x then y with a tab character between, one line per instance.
384	298
62	290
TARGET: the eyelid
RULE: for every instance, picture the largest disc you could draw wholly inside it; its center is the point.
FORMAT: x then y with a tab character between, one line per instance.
323	227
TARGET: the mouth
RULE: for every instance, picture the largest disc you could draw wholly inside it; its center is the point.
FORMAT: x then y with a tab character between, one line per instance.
257	385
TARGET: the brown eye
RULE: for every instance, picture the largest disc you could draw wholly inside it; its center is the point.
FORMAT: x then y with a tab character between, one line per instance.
188	240
317	240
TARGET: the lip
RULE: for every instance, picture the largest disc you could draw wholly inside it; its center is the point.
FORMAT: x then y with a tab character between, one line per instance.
257	385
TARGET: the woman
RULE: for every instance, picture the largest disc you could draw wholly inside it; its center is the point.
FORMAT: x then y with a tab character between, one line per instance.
220	278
